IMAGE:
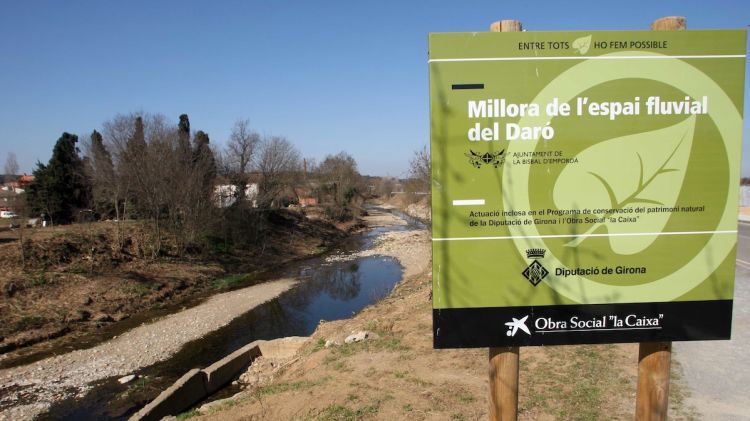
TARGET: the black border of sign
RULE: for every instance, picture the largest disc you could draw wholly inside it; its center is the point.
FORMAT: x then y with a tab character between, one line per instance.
485	327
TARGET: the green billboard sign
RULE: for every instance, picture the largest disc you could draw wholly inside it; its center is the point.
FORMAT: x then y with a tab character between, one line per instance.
585	185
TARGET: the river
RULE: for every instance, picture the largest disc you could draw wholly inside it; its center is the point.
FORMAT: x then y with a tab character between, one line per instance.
326	291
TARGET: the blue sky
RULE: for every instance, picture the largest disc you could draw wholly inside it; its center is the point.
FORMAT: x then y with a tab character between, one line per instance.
328	75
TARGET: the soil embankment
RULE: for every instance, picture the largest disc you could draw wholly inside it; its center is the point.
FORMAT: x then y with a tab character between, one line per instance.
83	278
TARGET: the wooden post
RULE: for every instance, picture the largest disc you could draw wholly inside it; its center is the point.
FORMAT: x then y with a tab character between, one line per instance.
504	361
652	398
654	358
504	384
506	25
669	23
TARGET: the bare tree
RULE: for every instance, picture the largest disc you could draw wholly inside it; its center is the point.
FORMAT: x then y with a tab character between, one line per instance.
11	165
340	178
239	154
384	186
420	168
142	151
200	175
278	163
163	176
18	202
340	172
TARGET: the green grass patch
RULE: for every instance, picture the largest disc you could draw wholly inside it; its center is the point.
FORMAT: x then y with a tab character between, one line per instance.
384	342
234	281
352	397
338	412
190	414
320	344
141	289
79	268
320	250
420	382
138	386
29	322
273	389
465	397
337	364
38	280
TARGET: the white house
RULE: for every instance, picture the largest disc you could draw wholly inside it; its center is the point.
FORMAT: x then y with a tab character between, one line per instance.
226	194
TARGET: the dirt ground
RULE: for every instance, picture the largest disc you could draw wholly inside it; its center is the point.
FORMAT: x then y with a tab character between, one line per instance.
78	280
398	375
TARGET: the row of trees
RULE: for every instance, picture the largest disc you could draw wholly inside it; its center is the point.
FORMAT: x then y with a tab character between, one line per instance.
141	166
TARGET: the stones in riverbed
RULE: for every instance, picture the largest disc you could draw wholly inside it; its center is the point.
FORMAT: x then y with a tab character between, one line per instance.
78	316
330	343
127	379
260	372
120	316
359	336
103	317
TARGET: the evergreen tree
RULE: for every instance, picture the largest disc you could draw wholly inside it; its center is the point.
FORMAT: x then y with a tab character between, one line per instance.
134	168
204	163
137	143
60	187
183	130
104	180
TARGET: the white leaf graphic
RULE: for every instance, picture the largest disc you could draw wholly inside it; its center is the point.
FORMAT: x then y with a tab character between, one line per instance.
649	172
582	44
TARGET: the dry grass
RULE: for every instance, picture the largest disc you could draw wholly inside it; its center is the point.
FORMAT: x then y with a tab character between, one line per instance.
400	376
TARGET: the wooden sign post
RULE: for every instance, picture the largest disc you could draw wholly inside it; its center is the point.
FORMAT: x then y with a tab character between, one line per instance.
654	358
504	361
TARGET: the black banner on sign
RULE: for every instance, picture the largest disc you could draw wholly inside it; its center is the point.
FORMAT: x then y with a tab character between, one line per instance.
582	324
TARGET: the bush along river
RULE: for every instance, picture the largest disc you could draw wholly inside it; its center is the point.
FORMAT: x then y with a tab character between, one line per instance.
328	290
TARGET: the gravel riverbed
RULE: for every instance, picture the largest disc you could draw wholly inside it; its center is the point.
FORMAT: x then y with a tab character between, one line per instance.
30	390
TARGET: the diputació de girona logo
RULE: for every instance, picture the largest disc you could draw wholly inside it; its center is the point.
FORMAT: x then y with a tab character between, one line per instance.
535	272
642	169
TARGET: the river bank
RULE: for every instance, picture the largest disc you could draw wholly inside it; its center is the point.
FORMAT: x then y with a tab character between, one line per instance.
32	389
88	308
82	282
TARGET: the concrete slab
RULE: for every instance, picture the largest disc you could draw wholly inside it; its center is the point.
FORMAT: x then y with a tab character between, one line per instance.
184	393
282	348
197	384
223	371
